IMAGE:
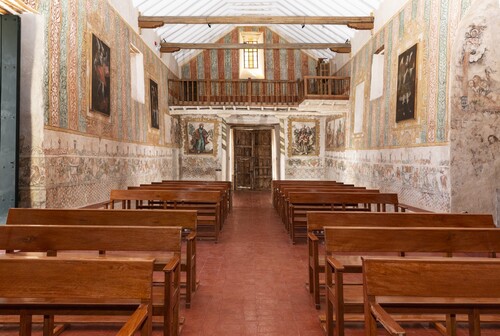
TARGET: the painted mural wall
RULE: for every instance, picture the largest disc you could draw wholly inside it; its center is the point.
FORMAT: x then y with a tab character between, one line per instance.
224	64
411	157
72	154
475	111
203	152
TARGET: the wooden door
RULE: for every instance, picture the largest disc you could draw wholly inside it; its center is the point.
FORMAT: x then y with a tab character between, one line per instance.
263	160
253	159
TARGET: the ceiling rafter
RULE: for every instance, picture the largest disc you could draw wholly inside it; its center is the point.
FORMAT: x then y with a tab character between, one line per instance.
293	33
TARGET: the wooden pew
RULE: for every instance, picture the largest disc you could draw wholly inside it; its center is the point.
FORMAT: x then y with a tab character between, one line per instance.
358	201
161	243
228	185
347	298
300	210
209	224
276	185
187	219
51	286
429	286
316	220
190	187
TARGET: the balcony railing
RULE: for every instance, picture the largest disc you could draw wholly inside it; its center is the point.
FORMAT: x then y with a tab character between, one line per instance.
256	92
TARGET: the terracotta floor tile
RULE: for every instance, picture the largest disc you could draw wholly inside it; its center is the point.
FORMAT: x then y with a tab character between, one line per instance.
253	283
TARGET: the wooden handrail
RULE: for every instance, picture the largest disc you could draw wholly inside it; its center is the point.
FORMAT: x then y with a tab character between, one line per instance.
262	92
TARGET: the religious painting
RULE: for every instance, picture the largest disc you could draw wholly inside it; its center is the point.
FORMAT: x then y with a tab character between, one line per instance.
155	113
407	85
335	133
201	137
101	77
303	137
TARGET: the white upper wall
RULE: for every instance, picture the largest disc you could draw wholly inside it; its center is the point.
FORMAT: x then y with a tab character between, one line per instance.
387	9
130	14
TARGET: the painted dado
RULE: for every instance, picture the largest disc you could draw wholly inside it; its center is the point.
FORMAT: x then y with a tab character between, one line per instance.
72	155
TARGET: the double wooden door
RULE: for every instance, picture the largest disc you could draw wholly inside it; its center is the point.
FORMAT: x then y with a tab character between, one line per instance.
253	159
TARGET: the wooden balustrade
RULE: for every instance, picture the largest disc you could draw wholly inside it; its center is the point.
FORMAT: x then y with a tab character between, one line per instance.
323	87
256	92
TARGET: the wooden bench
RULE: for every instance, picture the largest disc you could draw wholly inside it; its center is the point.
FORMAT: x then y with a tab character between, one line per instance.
300	210
316	220
452	286
209	223
187	219
161	243
51	286
347	298
276	186
300	203
228	185
188	187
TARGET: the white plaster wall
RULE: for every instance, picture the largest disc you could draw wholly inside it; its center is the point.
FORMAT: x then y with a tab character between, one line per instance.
32	109
474	106
419	175
383	14
81	170
127	11
130	14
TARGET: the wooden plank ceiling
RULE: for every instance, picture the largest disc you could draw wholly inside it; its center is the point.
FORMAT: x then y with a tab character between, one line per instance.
294	33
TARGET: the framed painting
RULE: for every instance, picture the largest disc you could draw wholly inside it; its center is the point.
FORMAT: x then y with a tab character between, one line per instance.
407	85
335	133
100	92
201	137
155	113
303	137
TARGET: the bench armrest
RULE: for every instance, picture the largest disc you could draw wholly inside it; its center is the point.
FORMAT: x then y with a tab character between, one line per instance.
337	265
386	320
311	236
135	321
191	236
172	264
408	208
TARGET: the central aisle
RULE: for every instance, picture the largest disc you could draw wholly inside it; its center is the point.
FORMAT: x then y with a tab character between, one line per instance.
253	281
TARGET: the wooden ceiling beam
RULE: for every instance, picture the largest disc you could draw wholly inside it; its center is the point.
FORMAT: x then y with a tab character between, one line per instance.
355	22
335	47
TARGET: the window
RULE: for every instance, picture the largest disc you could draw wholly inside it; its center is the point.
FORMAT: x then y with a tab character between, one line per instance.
137	75
377	79
251	57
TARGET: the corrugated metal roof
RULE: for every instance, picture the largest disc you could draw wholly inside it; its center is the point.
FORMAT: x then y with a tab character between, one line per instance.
292	33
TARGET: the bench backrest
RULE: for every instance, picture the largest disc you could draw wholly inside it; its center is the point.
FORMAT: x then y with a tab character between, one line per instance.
43	238
411	239
166	195
286	191
316	220
85	279
342	198
453	277
183	218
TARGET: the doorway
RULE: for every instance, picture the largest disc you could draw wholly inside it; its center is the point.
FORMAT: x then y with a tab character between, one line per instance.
253	167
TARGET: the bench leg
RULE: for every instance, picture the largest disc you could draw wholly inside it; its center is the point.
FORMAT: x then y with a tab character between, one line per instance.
338	304
329	314
451	325
48	325
189	287
316	288
25	324
474	323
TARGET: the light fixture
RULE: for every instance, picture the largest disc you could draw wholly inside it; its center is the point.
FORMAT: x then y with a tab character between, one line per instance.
303	25
209	25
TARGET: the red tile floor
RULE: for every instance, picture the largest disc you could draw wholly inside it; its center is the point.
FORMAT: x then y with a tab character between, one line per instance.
253	282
